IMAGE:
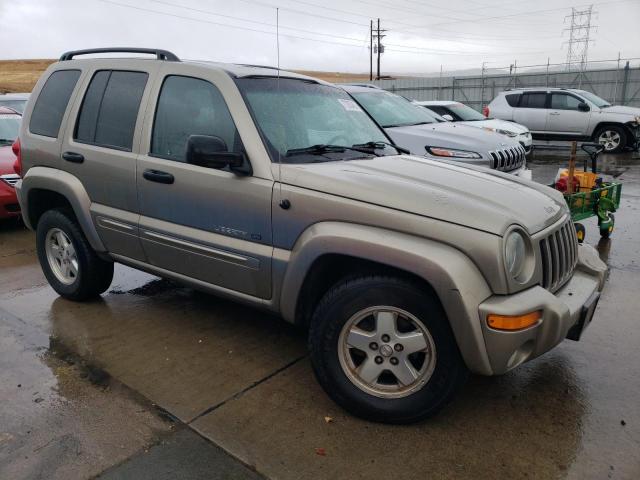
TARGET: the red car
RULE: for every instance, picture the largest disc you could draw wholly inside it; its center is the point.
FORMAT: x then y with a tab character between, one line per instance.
9	126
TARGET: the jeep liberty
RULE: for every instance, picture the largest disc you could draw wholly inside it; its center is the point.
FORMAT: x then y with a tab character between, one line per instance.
277	190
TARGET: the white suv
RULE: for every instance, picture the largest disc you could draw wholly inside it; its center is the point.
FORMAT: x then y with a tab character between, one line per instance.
569	114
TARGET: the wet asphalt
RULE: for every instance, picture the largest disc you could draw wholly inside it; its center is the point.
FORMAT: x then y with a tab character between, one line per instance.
158	381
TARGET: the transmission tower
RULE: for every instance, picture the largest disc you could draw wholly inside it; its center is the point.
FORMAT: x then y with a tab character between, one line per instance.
579	33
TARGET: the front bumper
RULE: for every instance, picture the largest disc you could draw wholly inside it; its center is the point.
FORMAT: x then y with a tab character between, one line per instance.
526	140
9	206
565	312
522	172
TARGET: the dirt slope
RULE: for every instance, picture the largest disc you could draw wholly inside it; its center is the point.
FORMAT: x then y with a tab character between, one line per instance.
22	75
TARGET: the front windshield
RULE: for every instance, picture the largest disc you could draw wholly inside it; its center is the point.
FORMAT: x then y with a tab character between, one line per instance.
9	126
295	115
593	98
465	113
391	110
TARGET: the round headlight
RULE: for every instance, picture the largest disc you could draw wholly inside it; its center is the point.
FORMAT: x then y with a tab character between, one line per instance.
515	254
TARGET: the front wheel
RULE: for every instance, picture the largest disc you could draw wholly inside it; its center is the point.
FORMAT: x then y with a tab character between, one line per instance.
580	232
612	137
71	266
382	348
606	226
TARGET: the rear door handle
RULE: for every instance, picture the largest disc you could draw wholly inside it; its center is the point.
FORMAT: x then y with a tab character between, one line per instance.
73	157
158	176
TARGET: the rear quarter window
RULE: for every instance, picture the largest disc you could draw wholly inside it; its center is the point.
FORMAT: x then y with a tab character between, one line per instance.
513	99
52	103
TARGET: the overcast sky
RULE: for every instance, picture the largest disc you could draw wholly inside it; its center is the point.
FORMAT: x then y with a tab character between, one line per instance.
331	35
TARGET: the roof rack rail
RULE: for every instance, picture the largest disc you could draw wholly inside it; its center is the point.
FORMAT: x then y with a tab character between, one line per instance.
257	66
160	54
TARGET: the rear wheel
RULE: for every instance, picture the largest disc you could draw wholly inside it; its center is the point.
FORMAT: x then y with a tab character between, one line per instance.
382	349
71	266
612	137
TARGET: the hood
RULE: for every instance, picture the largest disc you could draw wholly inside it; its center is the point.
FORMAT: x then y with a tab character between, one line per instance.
7	159
449	135
497	123
619	109
472	197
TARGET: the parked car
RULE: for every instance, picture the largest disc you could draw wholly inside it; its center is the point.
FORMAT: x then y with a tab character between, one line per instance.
569	114
419	131
277	190
463	114
9	127
15	101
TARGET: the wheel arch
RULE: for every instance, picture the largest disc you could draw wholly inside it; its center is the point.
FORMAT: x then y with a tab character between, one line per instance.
328	251
46	188
600	125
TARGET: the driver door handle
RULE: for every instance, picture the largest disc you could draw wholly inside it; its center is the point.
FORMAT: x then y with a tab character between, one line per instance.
554	113
158	176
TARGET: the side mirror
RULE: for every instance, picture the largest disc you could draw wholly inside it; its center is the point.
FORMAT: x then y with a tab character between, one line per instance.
583	107
447	117
212	152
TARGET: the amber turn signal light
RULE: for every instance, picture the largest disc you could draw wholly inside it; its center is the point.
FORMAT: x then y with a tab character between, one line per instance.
513	322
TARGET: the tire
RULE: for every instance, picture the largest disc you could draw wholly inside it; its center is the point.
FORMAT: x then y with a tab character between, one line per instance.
443	370
611	132
581	232
607	229
93	275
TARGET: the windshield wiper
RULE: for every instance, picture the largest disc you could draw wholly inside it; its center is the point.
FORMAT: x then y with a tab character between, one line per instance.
6	141
322	148
379	145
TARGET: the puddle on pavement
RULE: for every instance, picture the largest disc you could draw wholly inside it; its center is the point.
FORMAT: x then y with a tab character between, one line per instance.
61	418
185	350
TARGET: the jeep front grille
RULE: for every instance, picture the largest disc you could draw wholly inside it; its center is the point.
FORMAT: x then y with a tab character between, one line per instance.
10	178
559	253
508	159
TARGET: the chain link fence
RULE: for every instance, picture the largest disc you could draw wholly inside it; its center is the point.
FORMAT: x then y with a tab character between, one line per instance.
617	81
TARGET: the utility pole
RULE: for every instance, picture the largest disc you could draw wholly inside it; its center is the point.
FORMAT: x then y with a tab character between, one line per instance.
371	50
579	38
378	48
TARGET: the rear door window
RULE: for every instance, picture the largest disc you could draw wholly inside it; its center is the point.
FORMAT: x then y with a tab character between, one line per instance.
533	100
52	103
110	107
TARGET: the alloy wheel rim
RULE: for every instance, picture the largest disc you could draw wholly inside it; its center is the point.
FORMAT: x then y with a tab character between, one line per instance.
610	139
386	352
61	255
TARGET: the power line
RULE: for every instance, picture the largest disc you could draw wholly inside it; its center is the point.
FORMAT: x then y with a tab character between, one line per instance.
341	37
241	19
313	32
511	15
225	25
272	33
